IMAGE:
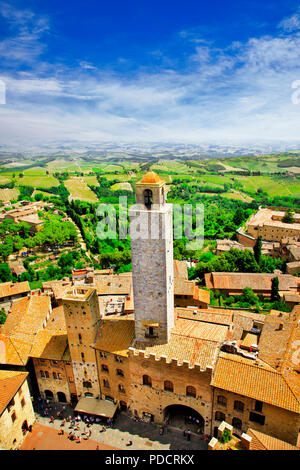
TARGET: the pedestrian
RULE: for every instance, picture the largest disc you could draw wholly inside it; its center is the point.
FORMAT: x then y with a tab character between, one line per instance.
188	434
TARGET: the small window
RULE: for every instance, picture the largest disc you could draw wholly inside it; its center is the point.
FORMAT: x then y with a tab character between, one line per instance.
121	388
147	380
87	384
46	374
23	402
102	354
80	338
260	419
118	359
258	406
104	368
190	391
82	357
54	375
239	406
168	386
106	383
120	372
221	400
237	423
13	417
42	374
219	416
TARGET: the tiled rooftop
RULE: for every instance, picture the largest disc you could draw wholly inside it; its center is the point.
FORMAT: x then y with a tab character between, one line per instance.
256	380
10	382
8	289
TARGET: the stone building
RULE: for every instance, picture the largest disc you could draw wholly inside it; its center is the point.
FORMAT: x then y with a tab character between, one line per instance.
16	412
52	361
268	224
151	232
82	316
12	291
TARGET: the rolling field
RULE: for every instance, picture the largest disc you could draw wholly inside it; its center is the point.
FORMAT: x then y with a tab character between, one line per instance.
121	186
9	194
79	189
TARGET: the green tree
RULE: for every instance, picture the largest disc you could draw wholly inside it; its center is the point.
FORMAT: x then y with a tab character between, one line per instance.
5	273
257	250
275	290
288	217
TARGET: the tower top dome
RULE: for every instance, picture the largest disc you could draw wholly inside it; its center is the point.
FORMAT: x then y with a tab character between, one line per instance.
151	178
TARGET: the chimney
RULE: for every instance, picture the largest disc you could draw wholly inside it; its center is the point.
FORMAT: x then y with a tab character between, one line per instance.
246	441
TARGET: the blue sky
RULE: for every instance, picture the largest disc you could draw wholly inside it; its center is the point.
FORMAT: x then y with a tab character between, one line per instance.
170	71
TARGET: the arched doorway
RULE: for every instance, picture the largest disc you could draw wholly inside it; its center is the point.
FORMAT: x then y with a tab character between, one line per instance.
48	394
61	397
184	417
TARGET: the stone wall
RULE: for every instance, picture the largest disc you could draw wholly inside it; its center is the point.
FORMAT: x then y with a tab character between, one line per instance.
11	434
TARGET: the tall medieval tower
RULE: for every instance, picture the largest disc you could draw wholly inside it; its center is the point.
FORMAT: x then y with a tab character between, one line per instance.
151	231
82	317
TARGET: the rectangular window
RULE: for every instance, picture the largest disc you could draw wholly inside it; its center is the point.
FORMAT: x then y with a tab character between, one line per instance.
260	419
258	406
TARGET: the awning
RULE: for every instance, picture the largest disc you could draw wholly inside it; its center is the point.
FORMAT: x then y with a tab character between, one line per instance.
92	406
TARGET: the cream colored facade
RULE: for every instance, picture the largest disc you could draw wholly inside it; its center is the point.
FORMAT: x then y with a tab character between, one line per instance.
18	412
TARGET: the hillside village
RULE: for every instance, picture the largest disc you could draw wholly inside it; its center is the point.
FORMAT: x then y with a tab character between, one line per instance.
152	343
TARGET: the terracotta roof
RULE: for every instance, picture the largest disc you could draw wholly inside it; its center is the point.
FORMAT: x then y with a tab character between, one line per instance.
192	341
27	317
208	316
49	345
248	341
254	379
114	284
8	289
9	351
180	269
115	336
261	441
150	178
257	281
10	382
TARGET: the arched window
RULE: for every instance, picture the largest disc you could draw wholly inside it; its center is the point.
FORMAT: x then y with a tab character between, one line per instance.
190	391
222	400
87	384
148	198
168	386
239	405
237	423
219	416
121	388
147	380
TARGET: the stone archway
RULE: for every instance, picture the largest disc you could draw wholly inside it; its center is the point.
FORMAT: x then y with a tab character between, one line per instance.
48	394
184	417
61	397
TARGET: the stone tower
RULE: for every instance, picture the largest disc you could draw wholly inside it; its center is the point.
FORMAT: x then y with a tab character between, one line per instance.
151	231
82	318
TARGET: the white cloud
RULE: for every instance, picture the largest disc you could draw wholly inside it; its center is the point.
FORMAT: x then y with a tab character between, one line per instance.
239	94
292	23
